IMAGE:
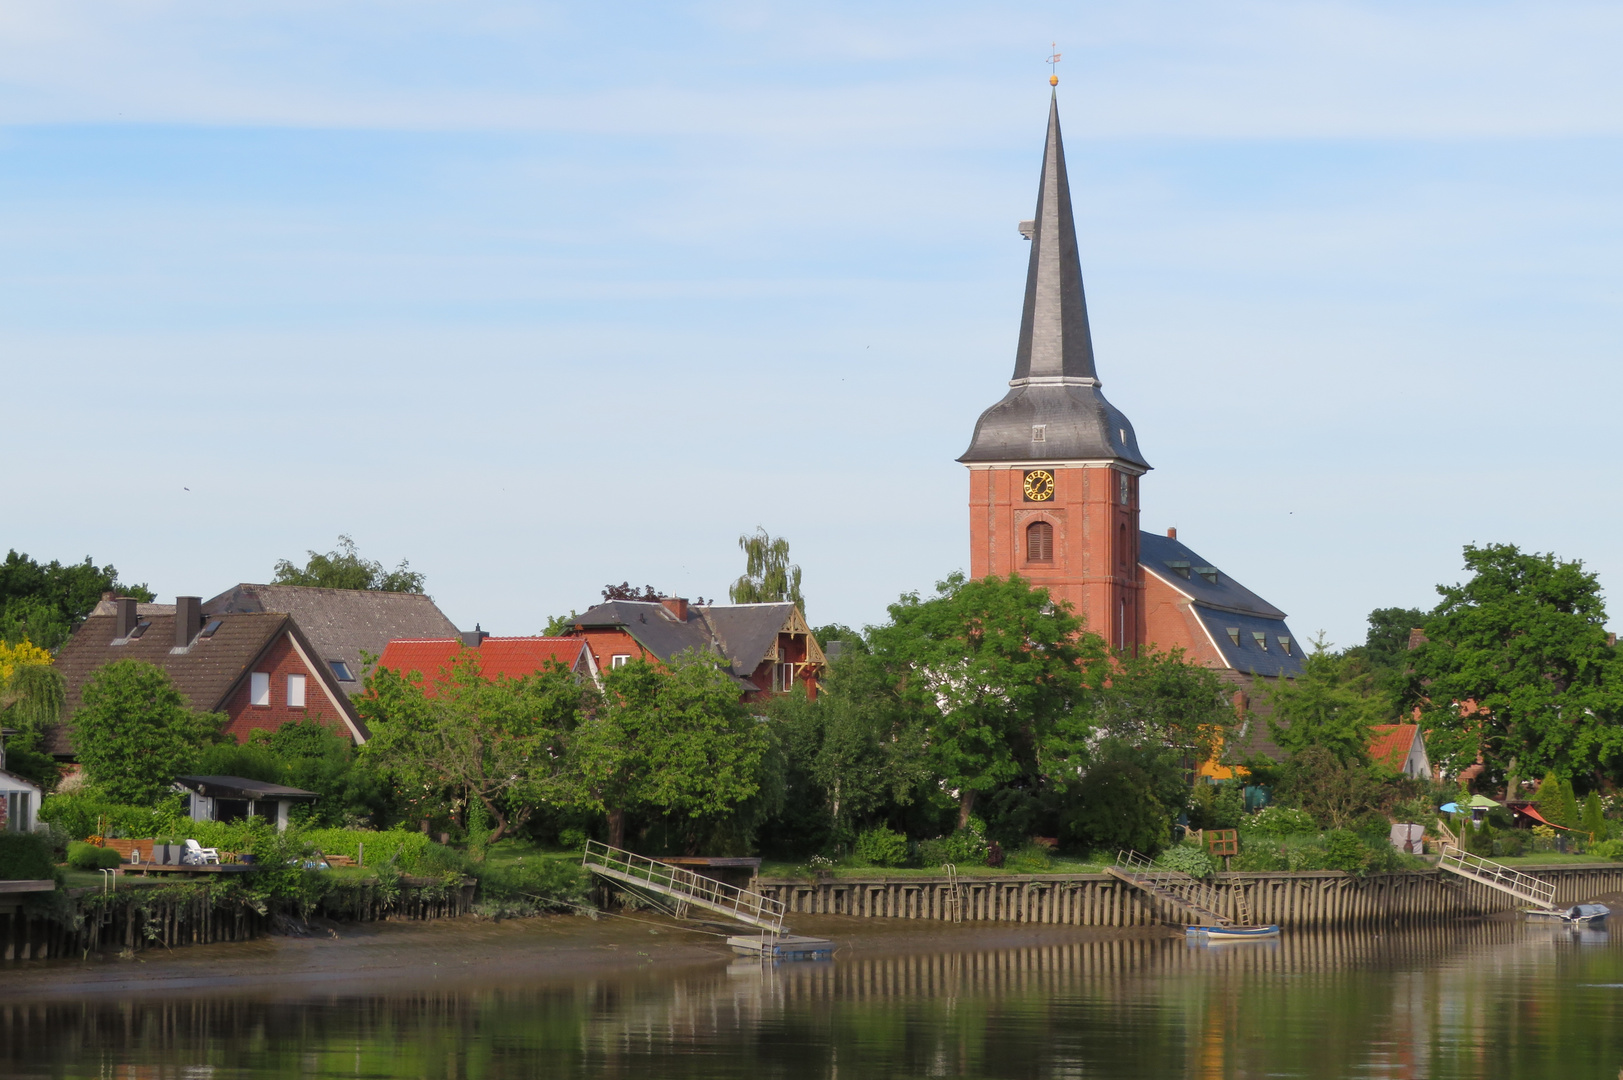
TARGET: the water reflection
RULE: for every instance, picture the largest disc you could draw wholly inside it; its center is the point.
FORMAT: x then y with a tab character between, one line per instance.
1489	1000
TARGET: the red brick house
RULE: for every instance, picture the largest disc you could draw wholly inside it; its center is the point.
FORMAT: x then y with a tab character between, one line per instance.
768	648
259	668
511	656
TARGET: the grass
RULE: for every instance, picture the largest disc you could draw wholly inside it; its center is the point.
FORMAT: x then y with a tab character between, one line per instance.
1057	865
1547	858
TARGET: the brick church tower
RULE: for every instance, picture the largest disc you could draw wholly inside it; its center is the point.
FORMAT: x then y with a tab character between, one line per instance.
1054	468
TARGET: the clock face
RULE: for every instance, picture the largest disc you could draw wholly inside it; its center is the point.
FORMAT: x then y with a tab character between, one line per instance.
1039	486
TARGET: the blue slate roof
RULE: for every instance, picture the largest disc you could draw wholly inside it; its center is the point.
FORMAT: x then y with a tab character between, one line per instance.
1250	633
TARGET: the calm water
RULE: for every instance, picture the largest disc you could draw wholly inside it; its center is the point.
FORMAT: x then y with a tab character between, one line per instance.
1495	1000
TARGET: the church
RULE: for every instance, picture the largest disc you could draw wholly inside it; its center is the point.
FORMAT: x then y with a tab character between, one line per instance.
1054	476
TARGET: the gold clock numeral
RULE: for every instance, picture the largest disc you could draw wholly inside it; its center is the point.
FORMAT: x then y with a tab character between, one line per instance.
1039	485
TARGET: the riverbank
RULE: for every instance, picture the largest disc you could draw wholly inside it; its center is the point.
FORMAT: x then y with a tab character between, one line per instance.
467	953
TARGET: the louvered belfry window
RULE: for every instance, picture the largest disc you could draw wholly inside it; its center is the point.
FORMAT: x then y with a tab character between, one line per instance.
1039	542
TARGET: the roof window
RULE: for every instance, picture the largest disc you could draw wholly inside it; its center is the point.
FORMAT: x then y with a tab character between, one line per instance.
1261	639
341	671
1180	567
1207	572
1039	432
1234	634
208	631
140	628
1285	644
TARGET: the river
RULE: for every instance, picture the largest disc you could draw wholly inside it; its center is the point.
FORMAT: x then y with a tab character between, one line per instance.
567	998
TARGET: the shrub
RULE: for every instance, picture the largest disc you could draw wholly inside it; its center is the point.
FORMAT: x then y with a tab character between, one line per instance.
1216	806
965	846
1030	859
1510	843
25	857
1607	849
1259	859
90	857
1189	860
1343	850
1116	808
88	813
881	847
1281	821
526	885
401	847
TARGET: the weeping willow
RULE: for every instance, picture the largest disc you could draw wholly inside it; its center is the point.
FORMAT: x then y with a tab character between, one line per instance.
31	700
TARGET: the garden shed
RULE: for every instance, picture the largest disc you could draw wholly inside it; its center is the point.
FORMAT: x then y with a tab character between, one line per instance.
234	798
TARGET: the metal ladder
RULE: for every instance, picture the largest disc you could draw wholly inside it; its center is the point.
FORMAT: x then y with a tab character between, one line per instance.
954	901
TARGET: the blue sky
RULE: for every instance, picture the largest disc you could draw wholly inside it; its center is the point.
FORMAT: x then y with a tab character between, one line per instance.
547	296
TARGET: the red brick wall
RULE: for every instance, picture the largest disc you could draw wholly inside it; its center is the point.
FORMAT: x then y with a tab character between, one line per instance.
281	659
605	644
1169	623
1095	563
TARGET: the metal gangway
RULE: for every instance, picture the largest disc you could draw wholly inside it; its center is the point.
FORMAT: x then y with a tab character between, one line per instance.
1524	887
1174	887
678	888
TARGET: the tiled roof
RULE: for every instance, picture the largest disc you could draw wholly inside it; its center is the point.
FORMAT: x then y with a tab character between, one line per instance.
742	634
205	673
1177	565
1389	744
511	656
342	623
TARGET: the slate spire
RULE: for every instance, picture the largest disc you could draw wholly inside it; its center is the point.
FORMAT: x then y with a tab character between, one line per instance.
1054	409
1054	336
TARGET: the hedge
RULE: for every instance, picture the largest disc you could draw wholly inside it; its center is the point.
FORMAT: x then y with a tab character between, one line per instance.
25	857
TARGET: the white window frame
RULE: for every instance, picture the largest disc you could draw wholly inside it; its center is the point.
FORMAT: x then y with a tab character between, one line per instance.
295	691
619	660
259	688
783	677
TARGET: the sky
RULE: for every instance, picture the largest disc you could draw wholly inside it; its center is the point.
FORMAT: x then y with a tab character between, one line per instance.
541	297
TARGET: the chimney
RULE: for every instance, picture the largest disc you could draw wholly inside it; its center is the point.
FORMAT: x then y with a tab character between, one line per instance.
125	606
1172	533
472	639
188	619
677	606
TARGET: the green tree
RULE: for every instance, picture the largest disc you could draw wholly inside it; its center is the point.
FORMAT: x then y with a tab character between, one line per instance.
1325	707
44	602
1594	817
1160	699
344	568
668	740
1334	790
1518	668
769	576
1115	807
498	742
992	668
134	734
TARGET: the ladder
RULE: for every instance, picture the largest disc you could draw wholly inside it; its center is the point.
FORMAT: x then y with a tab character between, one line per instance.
678	888
1174	887
1524	887
954	900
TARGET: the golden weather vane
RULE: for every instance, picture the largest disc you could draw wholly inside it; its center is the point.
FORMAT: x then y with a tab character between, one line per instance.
1053	58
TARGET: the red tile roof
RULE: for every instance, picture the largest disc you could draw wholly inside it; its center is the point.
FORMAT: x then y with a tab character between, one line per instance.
1389	744
514	656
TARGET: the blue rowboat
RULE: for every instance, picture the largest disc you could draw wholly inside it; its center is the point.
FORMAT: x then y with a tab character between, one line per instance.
1232	933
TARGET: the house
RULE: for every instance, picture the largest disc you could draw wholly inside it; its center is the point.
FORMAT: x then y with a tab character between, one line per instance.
20	798
235	798
511	656
341	624
767	648
1401	748
259	669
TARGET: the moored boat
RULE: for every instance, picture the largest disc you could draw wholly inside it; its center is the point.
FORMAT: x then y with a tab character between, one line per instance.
1232	933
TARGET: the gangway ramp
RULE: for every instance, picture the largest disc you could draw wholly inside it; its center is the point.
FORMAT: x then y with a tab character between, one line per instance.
680	888
1173	887
1524	887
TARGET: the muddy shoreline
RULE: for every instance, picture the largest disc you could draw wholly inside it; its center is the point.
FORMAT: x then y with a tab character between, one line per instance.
375	958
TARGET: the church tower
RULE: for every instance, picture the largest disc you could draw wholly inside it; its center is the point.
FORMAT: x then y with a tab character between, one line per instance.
1054	468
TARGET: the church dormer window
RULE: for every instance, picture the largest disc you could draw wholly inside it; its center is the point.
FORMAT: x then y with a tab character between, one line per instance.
1039	432
1181	568
1285	644
1234	634
1207	572
1261	639
1039	542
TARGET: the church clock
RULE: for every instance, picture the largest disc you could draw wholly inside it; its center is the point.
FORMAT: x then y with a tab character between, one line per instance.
1039	485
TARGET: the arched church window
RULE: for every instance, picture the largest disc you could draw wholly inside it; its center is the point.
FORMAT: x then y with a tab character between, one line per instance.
1039	542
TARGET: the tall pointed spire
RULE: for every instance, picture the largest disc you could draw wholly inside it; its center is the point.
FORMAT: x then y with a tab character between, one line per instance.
1054	410
1054	338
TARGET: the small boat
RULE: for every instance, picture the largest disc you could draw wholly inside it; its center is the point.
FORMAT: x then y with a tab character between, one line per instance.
782	947
1232	933
1591	915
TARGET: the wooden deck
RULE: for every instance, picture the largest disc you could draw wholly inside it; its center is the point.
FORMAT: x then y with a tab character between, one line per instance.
144	869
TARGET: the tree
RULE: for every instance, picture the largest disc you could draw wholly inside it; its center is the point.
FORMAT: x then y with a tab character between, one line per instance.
1518	669
134	734
668	740
1326	707
769	576
991	668
31	700
344	568
1116	808
627	591
1335	790
495	742
1594	817
1386	646
44	603
1161	699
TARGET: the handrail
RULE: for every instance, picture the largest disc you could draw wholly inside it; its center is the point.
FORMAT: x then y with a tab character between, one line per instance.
1190	891
1498	875
685	885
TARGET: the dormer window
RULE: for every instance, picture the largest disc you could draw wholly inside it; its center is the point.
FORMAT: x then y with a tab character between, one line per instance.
1234	634
1285	644
1181	568
1261	639
1039	432
1207	572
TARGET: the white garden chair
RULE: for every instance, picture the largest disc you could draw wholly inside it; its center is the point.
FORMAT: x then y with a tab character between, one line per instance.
198	855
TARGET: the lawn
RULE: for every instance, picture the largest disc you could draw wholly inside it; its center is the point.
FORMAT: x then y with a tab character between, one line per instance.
1549	858
1057	865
